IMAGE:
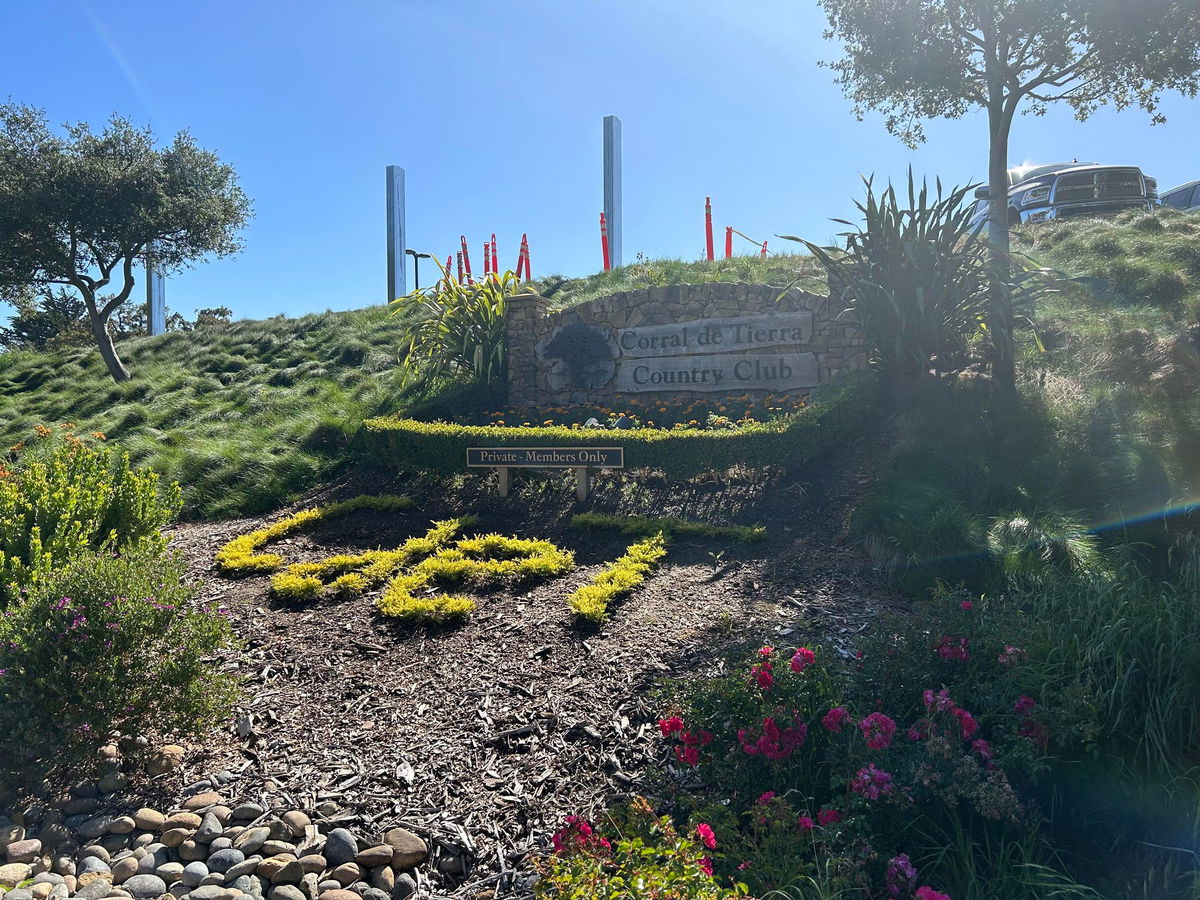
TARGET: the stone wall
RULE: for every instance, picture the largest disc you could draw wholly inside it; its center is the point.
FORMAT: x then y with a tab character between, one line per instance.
684	340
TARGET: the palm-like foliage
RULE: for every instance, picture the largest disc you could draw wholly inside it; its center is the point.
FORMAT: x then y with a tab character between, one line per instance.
457	328
915	279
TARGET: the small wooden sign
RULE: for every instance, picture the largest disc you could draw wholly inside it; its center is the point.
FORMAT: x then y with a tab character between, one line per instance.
546	457
581	459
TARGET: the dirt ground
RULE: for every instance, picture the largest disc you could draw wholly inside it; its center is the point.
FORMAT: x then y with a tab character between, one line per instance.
482	737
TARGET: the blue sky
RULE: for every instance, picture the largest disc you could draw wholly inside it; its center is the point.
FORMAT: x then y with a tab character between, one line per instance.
494	109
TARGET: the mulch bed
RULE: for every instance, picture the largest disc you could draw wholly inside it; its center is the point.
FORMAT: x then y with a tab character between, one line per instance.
484	736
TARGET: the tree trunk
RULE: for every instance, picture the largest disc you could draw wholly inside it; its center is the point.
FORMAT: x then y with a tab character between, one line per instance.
107	351
1000	314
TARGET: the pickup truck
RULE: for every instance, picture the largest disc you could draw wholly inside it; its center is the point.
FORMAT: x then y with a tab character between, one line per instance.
1065	190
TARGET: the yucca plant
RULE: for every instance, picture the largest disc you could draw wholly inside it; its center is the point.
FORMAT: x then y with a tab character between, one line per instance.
456	328
914	278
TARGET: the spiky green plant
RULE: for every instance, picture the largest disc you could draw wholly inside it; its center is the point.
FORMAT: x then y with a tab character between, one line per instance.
914	278
457	328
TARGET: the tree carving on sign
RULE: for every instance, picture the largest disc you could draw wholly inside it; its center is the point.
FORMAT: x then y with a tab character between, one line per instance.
586	353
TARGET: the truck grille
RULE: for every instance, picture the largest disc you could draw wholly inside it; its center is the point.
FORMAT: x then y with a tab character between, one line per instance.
1104	184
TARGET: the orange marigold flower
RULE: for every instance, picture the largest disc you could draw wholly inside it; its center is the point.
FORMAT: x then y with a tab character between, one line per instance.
4	473
17	447
67	426
41	431
99	435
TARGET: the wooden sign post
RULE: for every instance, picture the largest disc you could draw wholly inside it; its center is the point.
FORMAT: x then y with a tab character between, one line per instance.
581	459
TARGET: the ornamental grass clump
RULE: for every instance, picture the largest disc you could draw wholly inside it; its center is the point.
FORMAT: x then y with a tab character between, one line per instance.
241	557
62	496
355	574
590	602
482	561
103	647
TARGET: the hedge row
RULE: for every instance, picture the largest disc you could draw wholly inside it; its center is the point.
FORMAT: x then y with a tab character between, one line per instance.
837	409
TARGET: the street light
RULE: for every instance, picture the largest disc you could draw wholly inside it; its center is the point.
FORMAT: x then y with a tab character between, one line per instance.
417	257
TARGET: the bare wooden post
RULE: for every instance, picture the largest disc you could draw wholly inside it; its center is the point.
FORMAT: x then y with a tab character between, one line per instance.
583	482
505	474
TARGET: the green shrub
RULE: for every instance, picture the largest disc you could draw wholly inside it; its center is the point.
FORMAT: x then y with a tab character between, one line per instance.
241	557
65	496
485	560
454	327
647	857
838	411
355	574
590	602
106	646
915	278
649	525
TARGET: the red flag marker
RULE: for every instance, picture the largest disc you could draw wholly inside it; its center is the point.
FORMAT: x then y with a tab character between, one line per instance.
487	258
604	242
466	259
708	241
728	241
764	249
525	256
495	256
458	257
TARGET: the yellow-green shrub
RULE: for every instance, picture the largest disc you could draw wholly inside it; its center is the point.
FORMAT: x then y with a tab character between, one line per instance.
839	409
65	496
482	560
358	573
241	557
668	525
590	602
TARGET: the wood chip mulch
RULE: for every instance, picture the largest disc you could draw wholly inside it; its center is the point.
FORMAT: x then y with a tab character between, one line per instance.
483	737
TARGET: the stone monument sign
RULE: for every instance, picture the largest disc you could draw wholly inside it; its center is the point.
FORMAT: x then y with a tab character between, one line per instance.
676	341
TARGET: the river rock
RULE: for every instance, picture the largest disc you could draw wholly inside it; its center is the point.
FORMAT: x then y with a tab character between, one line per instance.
112	782
124	869
383	878
292	873
194	873
94	827
92	864
247	866
372	893
202	800
19	894
270	866
24	851
314	862
93	891
245	812
14	873
221	843
209	830
408	850
286	892
251	839
275	847
406	886
339	894
173	837
346	874
223	813
144	887
205	892
223	860
10	833
148	819
170	872
92	877
296	822
340	847
163	760
82	806
189	820
122	825
379	855
63	865
190	851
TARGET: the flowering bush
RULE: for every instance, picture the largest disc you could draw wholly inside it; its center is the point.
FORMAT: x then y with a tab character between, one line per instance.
62	495
647	857
678	414
106	646
825	768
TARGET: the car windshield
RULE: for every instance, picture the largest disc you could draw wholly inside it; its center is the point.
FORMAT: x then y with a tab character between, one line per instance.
1024	173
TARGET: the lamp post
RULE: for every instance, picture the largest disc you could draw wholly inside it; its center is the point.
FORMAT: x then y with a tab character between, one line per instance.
417	257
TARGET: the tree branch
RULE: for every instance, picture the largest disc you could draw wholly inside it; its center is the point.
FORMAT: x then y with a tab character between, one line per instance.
127	274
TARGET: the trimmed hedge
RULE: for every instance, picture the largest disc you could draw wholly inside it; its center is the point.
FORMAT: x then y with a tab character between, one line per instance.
837	409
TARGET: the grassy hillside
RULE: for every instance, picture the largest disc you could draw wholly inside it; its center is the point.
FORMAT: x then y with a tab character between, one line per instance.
246	416
242	417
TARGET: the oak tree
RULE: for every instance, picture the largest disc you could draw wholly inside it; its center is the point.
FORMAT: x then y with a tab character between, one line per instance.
82	209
